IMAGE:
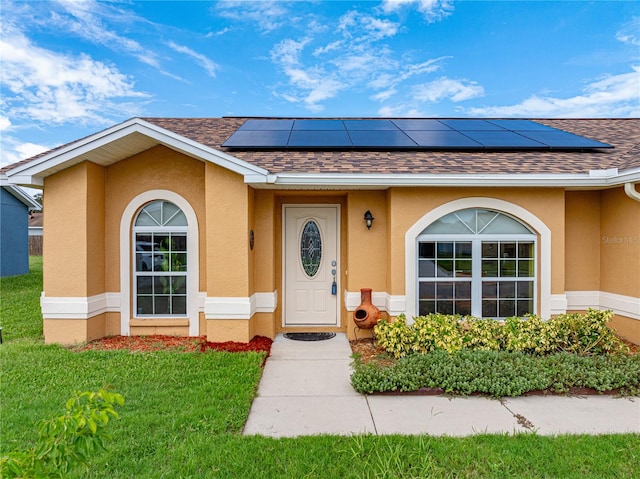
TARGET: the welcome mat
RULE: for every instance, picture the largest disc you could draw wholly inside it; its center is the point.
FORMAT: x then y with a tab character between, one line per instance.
309	336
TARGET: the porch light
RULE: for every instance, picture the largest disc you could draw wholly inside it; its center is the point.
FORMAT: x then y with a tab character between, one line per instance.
368	219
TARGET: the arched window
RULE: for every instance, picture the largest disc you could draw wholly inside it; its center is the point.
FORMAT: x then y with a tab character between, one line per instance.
477	262
160	272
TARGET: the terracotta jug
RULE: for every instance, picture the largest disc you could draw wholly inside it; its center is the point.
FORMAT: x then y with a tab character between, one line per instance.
366	315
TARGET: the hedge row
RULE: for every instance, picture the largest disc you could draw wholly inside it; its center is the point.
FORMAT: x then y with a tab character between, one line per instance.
499	373
581	334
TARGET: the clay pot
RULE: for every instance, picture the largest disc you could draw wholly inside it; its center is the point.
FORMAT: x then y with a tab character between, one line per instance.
366	315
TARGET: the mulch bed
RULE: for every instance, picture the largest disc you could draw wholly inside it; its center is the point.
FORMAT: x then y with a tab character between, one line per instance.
175	344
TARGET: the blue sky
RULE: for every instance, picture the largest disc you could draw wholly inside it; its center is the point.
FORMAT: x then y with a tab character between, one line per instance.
71	68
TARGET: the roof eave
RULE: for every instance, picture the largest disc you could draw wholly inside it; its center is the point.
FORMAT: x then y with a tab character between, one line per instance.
19	193
32	173
593	179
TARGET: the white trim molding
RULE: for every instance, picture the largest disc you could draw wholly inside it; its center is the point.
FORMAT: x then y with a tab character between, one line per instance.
394	305
220	307
558	304
622	305
127	257
55	307
410	245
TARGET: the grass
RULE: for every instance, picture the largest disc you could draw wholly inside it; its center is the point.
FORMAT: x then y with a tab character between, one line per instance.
184	413
20	303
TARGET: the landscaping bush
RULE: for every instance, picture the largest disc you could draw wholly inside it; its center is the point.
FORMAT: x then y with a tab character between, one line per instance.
582	334
500	373
68	440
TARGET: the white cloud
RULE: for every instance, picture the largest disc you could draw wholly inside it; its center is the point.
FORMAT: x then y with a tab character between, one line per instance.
609	97
630	32
432	10
311	86
267	15
201	59
447	88
357	60
51	87
85	20
5	123
407	111
13	150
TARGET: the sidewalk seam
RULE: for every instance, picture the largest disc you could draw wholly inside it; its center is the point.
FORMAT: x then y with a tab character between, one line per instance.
373	420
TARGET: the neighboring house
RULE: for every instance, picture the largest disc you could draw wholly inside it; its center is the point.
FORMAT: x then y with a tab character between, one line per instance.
235	227
35	234
15	204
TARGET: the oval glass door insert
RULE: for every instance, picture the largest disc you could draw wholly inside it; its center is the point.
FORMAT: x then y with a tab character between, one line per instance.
310	248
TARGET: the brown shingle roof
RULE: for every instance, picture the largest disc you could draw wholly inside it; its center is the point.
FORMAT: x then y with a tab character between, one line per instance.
623	134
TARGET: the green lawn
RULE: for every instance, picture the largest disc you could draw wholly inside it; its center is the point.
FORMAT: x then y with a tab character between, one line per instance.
184	413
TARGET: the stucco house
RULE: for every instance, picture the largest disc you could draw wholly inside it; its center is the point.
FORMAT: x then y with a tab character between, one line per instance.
235	227
15	204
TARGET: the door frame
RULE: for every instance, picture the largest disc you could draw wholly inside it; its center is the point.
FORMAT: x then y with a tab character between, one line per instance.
338	210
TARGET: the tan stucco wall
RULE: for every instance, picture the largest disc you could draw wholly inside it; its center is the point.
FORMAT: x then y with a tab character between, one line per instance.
582	232
227	258
158	168
619	243
263	255
74	263
367	249
595	238
73	331
626	328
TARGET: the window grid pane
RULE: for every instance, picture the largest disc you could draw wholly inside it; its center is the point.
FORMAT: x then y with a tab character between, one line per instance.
499	273
160	262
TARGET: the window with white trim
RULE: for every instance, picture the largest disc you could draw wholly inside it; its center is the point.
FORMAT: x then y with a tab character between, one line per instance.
160	271
477	262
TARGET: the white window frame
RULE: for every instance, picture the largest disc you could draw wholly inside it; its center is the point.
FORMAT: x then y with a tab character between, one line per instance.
477	279
127	258
543	255
136	273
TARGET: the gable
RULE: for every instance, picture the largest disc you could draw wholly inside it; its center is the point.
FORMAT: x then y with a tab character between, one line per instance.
117	143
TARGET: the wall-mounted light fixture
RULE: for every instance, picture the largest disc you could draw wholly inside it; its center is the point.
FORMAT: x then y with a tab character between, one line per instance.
368	219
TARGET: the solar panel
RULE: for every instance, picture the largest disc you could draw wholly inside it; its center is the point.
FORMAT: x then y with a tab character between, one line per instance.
381	138
411	124
258	139
259	125
369	125
319	139
442	139
462	125
502	139
404	133
559	139
318	125
520	125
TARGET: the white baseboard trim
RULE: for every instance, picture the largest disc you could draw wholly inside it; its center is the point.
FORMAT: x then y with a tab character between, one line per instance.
79	307
623	305
558	304
392	304
83	308
218	307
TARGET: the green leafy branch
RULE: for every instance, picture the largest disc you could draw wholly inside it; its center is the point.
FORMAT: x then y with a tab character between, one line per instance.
68	440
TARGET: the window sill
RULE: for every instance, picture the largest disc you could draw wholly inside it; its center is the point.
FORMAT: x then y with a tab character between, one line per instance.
165	322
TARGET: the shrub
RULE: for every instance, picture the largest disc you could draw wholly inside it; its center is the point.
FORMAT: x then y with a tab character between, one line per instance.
500	373
582	334
68	440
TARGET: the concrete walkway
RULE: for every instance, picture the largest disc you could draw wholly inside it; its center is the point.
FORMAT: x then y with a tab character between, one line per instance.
305	390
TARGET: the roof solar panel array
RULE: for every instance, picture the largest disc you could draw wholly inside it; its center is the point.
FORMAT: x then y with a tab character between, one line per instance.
393	134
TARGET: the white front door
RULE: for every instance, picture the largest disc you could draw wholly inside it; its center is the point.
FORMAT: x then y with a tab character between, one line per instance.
310	269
